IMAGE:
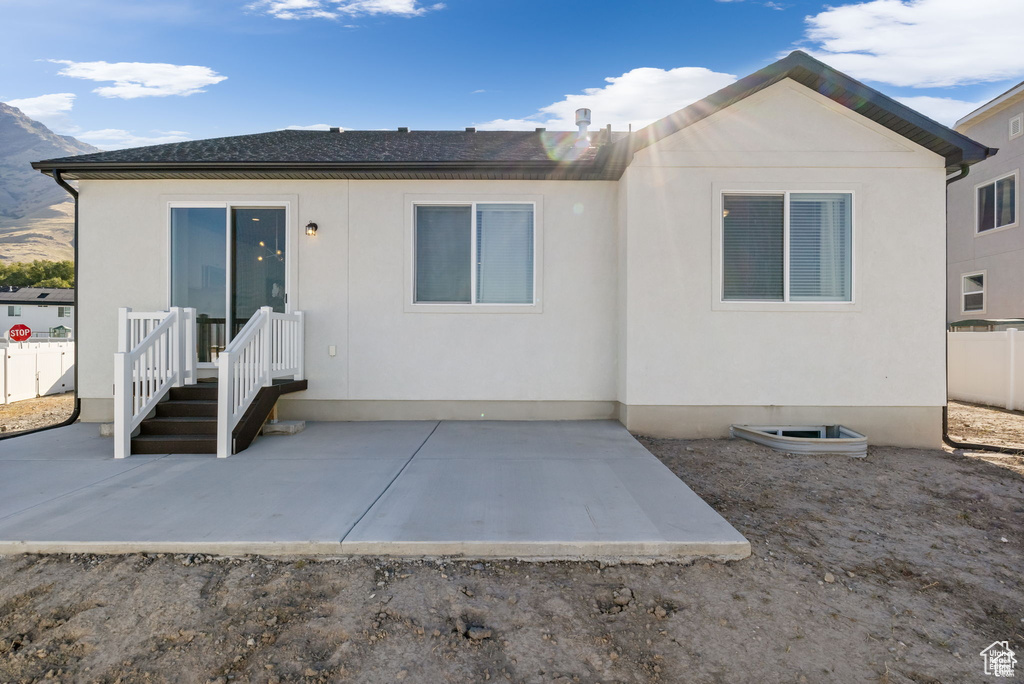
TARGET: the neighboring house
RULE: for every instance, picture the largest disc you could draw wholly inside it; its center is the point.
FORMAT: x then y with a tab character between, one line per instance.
771	254
986	242
48	311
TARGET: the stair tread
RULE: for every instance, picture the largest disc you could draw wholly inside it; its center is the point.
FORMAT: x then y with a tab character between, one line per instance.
182	419
173	438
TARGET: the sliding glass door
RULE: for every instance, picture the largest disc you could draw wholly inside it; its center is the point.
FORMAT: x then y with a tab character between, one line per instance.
227	262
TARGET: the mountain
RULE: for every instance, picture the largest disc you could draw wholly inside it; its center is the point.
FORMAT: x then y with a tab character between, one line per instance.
36	215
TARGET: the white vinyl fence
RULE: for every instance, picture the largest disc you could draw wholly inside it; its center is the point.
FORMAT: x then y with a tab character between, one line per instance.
35	369
987	368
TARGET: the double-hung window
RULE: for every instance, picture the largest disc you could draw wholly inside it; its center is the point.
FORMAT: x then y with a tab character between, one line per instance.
973	289
474	253
787	247
997	203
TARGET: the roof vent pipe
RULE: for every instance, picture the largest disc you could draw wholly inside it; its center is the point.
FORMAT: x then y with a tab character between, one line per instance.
582	120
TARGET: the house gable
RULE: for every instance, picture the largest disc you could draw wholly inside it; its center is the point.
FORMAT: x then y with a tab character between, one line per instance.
957	150
784	125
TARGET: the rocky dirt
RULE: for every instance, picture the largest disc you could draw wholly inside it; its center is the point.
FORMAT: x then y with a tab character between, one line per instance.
36	413
900	567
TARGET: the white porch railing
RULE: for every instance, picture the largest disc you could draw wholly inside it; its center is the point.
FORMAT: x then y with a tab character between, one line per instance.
155	351
269	346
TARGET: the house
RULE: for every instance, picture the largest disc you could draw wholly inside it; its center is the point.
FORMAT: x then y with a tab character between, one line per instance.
986	243
47	311
772	254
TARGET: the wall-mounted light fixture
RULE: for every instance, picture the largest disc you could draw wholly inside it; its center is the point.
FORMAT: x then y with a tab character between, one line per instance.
311	229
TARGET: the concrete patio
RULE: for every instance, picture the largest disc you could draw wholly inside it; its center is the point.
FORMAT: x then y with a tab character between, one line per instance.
573	489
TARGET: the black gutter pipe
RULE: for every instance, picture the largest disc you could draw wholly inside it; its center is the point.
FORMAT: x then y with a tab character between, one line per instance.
78	401
965	169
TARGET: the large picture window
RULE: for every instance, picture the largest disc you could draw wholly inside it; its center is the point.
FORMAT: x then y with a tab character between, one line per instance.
787	247
475	253
997	203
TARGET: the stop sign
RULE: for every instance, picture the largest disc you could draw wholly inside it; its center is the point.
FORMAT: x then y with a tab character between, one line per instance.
19	333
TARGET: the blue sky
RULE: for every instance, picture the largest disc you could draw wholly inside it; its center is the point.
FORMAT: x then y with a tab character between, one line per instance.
119	73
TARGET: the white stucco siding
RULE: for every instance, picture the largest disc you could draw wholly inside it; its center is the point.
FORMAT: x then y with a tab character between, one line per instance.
121	262
686	348
565	350
352	283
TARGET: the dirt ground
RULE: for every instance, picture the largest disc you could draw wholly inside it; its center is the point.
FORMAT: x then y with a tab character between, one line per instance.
900	567
34	413
986	424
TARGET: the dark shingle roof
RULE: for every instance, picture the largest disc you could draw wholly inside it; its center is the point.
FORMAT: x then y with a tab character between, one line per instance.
492	154
42	296
297	146
362	153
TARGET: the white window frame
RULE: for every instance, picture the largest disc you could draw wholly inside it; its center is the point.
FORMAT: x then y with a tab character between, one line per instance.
14	311
719	303
1016	199
1019	120
471	200
64	311
964	293
288	202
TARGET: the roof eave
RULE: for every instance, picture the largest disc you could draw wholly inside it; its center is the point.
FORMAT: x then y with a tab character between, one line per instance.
540	168
993	106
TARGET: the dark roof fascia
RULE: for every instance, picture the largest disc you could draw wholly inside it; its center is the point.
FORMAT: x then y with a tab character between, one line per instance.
5	301
591	170
813	74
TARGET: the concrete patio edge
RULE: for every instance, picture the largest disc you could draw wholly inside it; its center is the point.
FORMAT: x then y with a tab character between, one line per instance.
666	551
623	552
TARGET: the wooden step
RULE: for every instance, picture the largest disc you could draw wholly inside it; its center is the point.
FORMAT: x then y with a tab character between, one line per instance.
207	391
186	422
174	444
179	425
187	407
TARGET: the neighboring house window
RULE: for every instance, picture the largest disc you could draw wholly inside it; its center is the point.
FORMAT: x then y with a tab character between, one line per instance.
787	247
997	203
1017	126
13	311
475	253
63	312
974	292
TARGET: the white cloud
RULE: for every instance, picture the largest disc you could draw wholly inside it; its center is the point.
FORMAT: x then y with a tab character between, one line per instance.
333	9
637	97
141	79
313	127
922	43
43	107
117	138
945	110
